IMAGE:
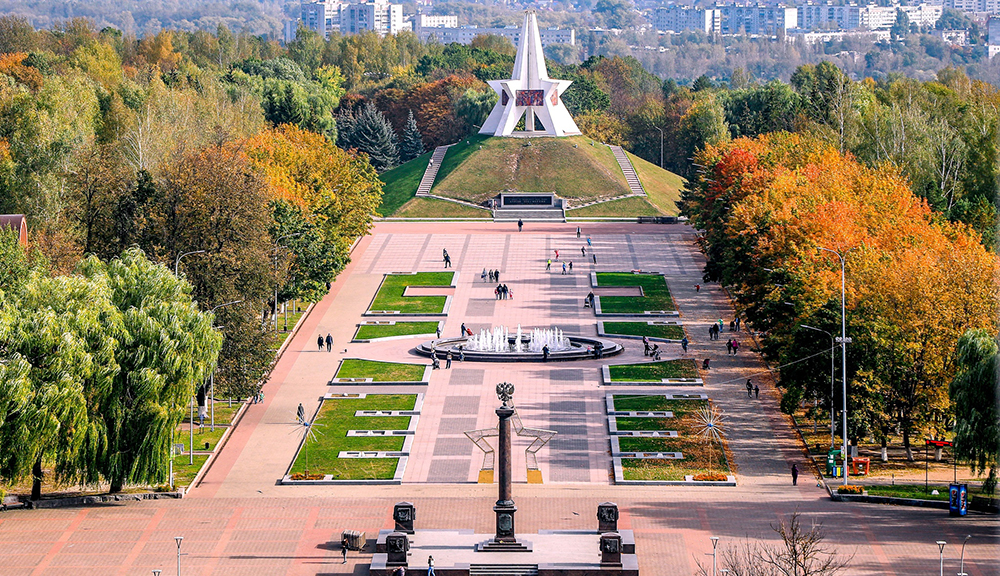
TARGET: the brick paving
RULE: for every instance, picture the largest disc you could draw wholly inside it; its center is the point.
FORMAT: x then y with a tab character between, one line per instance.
238	521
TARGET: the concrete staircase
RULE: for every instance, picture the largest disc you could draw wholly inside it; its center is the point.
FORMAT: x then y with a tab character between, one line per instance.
430	174
512	214
628	170
503	570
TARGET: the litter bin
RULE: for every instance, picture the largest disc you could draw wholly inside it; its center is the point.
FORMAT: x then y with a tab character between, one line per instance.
958	499
831	461
355	539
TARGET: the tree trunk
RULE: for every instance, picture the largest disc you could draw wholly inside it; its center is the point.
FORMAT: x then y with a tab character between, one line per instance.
885	451
906	444
36	479
116	486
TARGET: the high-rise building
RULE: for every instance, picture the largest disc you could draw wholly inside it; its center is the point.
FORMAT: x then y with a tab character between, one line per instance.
681	18
465	34
727	19
378	16
993	31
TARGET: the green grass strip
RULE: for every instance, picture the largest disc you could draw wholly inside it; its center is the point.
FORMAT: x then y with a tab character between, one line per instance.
390	294
680	408
335	418
654	287
372	331
380	371
667	331
653	371
629	423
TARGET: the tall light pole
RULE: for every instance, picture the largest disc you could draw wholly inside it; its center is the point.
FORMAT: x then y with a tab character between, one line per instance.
833	428
157	572
715	542
178	540
661	144
941	544
212	377
177	272
961	570
843	340
276	246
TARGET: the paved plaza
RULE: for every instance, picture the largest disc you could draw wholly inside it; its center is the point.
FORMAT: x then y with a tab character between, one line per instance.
239	520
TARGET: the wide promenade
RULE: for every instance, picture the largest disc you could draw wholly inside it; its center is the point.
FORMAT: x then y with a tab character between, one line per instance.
240	521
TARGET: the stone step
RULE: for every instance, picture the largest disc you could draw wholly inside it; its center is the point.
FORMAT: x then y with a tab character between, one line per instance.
503	570
430	173
529	214
631	178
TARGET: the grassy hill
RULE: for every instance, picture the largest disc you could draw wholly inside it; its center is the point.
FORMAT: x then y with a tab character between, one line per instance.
478	168
401	184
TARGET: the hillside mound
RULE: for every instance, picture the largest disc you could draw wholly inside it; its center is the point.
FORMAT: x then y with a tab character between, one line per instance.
575	168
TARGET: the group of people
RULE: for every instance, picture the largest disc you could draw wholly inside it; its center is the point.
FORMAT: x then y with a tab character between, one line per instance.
328	341
502	292
491	275
732	346
651	351
753	391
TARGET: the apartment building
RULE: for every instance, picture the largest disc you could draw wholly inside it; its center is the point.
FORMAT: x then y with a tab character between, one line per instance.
681	18
753	19
465	34
327	16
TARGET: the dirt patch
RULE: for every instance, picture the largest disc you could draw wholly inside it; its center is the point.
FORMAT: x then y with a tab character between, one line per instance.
634	291
429	291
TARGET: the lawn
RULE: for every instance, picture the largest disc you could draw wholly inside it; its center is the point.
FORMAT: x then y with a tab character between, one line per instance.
915	491
667	331
202	434
184	473
390	294
372	331
623	208
641	403
654	286
400	184
629	423
335	418
380	371
433	208
653	371
663	188
223	412
570	167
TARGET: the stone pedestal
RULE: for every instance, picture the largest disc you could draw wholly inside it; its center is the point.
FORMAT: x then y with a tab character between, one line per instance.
611	550
607	517
403	514
504	539
396	546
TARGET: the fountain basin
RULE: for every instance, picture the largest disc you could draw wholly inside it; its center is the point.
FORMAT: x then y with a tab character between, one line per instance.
578	350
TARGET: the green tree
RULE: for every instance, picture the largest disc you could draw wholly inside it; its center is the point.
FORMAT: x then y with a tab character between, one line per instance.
373	135
311	261
412	144
166	349
975	399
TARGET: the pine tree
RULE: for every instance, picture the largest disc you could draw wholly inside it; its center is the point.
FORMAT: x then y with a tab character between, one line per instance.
373	135
413	142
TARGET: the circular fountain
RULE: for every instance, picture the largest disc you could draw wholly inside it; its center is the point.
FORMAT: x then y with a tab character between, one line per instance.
501	344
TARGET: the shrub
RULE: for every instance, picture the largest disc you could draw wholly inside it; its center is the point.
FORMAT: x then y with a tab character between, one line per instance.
850	489
711	477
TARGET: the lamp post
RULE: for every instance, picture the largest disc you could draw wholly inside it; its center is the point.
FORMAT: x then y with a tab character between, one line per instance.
961	570
833	428
715	542
211	385
177	269
157	572
276	246
843	340
941	544
661	144
178	540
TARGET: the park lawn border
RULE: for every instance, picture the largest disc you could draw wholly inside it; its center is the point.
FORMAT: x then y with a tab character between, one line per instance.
397	313
401	460
440	325
618	456
607	380
424	379
602	331
599	310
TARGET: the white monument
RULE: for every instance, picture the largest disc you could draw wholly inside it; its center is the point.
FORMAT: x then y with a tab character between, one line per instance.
530	92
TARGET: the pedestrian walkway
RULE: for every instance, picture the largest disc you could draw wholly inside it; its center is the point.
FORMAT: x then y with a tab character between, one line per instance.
430	173
628	170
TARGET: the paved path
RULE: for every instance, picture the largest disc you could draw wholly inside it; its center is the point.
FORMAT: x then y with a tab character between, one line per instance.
239	522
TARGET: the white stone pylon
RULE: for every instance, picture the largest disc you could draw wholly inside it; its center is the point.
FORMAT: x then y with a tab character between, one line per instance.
530	93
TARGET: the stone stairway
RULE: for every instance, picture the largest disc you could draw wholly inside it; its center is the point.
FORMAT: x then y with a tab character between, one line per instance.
503	570
512	214
626	165
430	174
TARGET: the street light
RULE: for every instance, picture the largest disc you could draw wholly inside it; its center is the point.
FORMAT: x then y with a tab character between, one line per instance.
661	144
961	570
276	246
157	572
941	544
178	539
177	268
715	542
833	429
843	339
212	377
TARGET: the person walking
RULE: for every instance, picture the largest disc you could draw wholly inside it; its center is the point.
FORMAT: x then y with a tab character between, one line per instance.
463	329
583	250
329	343
319	341
705	364
684	344
564	268
594	256
520	224
496	275
795	475
729	347
447	261
343	549
697	287
645	345
570	266
577	231
461	354
736	346
447	360
430	566
548	265
756	391
483	275
749	389
557	255
711	332
438	331
588	241
545	353
732	325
